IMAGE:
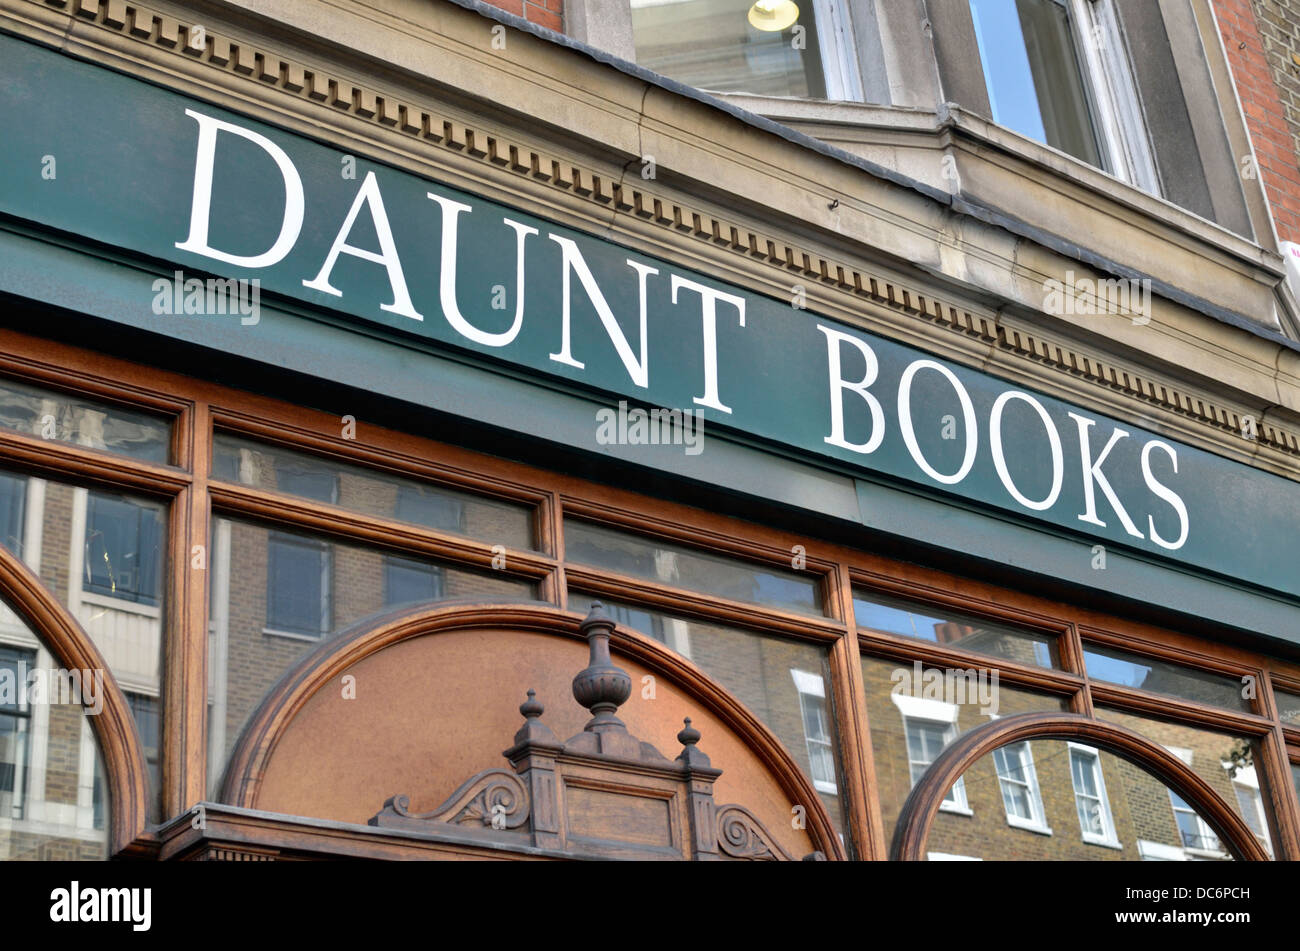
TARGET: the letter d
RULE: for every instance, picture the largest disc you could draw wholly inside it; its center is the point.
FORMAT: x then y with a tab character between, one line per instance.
202	202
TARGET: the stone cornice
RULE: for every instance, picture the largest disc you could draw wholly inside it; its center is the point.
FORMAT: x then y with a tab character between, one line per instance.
443	129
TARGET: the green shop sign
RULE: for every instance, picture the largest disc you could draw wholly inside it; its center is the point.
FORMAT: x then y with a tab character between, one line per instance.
151	172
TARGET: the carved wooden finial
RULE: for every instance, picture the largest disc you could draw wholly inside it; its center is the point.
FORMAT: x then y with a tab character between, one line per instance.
533	731
531	708
691	755
601	687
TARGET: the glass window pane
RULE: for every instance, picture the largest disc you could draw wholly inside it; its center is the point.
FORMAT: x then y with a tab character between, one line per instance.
407	581
1221	759
49	414
1032	70
275	594
915	711
785	683
720	45
50	765
1288	707
123	548
103	555
1160	676
371	492
672	564
1133	817
890	615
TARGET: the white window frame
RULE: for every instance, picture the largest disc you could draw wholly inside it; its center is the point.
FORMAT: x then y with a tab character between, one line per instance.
1112	99
1159	852
812	688
1037	821
838	51
944	714
1109	836
1203	829
1247	781
1108	77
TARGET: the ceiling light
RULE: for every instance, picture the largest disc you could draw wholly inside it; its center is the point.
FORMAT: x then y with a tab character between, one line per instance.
773	16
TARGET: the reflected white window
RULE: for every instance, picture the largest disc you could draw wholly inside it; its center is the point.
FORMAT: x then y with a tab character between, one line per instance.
1018	781
816	729
800	48
929	726
1245	786
1193	831
1058	72
1096	822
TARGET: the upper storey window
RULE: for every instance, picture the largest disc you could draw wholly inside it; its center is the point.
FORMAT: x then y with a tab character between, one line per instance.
798	48
1057	71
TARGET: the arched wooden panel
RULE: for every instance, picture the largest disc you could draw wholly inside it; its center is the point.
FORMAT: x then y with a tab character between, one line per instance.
922	804
251	760
127	776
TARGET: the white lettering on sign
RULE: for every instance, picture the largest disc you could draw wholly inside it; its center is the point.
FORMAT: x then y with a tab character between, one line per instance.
201	205
1000	460
850	390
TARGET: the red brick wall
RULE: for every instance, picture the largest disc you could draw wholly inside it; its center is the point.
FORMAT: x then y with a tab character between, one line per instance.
547	13
1262	38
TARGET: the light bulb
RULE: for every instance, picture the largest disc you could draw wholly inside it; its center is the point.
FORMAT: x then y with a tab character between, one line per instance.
773	16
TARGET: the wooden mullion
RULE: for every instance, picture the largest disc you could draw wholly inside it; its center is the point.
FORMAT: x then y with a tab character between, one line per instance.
896	647
377	458
230	498
552	511
866	818
1164	707
60	460
1072	659
103	386
1274	776
184	757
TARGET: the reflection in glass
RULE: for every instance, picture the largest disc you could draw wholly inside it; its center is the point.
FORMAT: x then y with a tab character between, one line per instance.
916	712
371	492
1090	805
1225	761
276	594
1032	70
889	615
50	767
49	414
677	565
712	44
1288	707
785	683
102	554
1159	676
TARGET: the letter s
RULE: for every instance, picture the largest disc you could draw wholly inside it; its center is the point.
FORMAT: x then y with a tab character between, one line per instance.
1165	493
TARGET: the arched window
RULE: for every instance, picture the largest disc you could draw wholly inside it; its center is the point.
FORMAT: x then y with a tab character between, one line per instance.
54	801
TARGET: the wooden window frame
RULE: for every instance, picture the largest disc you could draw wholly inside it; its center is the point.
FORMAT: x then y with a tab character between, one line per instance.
198	408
